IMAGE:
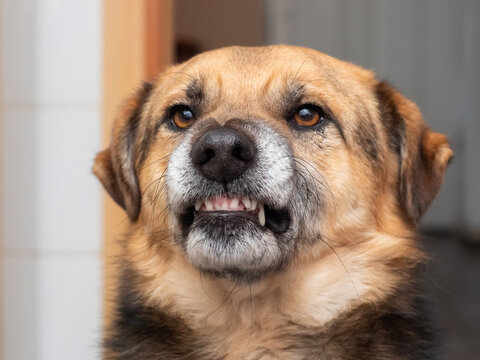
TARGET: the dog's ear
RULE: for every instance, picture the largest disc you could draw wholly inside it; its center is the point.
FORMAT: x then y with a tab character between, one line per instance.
115	167
423	154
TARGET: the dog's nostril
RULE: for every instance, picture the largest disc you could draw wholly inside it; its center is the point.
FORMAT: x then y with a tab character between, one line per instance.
223	154
244	153
237	152
202	154
209	153
202	157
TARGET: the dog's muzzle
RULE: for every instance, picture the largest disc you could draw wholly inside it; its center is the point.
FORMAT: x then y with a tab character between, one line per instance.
230	188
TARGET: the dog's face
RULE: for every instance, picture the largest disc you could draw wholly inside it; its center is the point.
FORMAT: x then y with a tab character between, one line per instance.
245	159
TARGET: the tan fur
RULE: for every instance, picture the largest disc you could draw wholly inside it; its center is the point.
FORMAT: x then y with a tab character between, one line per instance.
368	240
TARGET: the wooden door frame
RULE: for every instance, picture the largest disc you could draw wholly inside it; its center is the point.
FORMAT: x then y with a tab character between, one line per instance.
137	44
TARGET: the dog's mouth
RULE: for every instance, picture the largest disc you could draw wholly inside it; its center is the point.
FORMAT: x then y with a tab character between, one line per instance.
230	209
238	221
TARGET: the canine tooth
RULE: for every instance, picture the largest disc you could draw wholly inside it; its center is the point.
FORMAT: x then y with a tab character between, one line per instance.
198	205
247	203
234	203
261	216
253	205
208	205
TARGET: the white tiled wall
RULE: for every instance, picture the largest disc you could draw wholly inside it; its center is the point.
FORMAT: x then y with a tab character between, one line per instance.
51	50
18	141
68	326
66	144
19	309
51	226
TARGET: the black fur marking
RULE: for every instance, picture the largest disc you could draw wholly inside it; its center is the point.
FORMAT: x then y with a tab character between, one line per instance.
366	136
195	93
335	122
292	98
391	119
126	155
141	332
396	329
147	138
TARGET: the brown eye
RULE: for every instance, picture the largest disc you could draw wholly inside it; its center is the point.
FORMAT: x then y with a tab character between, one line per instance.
307	116
183	117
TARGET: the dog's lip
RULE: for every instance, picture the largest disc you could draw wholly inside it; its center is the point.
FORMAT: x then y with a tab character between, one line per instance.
232	205
249	215
265	216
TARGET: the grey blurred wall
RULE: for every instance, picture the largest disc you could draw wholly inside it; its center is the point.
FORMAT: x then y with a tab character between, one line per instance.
214	23
430	50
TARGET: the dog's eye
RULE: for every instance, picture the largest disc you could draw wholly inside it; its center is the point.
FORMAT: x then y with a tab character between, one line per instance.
182	117
308	116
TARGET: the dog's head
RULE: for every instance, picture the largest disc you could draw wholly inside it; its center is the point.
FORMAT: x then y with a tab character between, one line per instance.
251	156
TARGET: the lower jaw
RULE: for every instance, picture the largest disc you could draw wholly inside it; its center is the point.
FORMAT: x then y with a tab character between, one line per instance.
232	247
220	252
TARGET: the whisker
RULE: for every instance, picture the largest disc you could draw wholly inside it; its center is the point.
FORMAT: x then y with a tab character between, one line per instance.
205	290
155	161
224	300
341	261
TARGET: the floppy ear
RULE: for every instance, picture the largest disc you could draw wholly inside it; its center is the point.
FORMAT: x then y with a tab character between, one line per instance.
115	167
423	154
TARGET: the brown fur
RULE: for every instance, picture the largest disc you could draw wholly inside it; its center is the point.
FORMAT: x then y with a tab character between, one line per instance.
339	292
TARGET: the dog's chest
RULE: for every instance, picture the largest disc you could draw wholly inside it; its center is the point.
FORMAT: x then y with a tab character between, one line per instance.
249	344
260	335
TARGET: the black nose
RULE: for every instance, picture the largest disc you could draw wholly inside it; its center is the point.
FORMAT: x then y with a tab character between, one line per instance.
223	154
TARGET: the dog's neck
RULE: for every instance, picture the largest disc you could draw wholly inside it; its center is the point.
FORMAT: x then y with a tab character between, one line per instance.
311	292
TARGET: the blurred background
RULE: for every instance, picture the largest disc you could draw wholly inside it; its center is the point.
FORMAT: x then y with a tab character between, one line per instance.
66	65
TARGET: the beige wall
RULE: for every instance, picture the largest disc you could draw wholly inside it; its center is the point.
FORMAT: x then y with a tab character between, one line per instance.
137	44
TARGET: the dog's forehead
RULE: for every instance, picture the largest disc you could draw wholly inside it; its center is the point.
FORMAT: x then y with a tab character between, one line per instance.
266	82
253	72
287	59
251	61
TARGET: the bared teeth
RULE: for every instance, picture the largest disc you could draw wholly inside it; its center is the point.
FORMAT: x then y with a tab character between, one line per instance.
209	205
261	215
232	204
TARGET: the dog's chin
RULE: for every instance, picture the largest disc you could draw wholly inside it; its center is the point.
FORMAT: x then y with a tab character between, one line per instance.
233	245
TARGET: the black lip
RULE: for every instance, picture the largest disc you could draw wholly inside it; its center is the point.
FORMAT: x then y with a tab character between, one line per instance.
250	215
276	220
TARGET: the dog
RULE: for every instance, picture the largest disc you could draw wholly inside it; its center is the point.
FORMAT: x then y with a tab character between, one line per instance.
273	195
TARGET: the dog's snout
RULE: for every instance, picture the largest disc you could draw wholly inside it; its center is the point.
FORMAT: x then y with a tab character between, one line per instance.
223	154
